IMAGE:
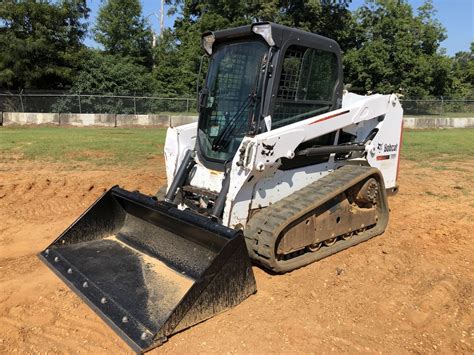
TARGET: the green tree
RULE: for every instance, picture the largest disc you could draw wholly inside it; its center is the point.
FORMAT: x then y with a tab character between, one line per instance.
462	75
331	19
122	30
173	72
178	53
109	74
40	42
398	51
182	46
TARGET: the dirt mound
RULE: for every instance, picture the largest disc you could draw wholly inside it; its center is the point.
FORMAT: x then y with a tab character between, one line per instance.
409	290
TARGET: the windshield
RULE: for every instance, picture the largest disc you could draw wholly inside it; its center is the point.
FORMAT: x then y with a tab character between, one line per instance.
230	98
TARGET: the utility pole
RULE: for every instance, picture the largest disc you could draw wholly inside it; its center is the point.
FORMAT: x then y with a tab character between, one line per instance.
161	20
153	33
162	17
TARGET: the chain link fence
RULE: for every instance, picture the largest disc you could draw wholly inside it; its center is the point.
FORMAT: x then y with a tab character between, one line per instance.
59	102
441	107
65	102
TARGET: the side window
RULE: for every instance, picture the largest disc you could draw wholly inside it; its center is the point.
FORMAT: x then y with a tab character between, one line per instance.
307	83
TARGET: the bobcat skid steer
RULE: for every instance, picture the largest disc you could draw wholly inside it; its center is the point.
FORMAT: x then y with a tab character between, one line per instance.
282	169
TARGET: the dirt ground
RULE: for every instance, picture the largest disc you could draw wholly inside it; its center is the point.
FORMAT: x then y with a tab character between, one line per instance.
410	290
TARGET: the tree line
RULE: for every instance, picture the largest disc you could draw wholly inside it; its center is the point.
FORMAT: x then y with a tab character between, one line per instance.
388	46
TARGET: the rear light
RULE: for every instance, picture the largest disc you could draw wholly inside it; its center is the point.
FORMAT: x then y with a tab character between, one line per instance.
207	42
265	31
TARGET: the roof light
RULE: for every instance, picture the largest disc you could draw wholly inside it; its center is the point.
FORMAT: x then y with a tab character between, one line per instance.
207	42
265	31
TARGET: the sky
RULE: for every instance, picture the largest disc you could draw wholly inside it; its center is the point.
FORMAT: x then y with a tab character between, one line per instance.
457	16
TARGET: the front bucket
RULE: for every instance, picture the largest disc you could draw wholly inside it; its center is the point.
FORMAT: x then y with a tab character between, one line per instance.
149	269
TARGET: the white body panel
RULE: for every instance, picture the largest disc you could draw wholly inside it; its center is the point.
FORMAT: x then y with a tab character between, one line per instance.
206	178
256	181
178	141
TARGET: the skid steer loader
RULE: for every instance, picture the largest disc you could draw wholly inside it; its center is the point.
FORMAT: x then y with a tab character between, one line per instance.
282	166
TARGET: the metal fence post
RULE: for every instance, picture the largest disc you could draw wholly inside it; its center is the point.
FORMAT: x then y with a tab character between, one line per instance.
442	104
79	99
187	105
134	103
21	102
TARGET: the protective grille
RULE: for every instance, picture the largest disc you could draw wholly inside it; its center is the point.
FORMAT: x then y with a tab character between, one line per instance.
290	75
307	81
228	87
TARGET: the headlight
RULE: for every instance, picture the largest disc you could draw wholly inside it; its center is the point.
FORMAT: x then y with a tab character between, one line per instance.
265	31
207	42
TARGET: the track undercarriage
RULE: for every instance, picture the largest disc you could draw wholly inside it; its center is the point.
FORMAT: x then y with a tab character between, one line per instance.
344	208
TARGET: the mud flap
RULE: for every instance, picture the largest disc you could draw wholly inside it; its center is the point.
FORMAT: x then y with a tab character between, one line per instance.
149	269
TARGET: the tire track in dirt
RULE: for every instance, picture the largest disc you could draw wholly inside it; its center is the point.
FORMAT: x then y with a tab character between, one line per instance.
37	310
409	290
30	200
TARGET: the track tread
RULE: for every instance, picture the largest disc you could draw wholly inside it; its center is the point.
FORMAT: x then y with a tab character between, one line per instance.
263	229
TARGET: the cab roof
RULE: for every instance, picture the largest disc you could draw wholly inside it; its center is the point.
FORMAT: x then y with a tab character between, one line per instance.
282	35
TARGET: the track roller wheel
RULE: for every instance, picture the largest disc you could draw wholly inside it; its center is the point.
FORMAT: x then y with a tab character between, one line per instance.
330	242
347	236
314	247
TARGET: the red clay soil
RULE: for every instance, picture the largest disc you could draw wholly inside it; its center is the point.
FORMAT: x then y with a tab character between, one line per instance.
409	290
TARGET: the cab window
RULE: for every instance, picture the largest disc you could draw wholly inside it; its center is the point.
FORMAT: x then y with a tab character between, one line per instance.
307	82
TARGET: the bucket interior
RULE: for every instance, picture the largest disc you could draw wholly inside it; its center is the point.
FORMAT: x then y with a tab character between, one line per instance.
134	260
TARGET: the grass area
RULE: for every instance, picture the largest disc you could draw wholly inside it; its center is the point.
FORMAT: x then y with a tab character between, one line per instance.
136	146
99	146
440	145
442	115
193	113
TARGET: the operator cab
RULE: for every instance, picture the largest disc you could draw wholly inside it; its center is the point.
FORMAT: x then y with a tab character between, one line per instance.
262	77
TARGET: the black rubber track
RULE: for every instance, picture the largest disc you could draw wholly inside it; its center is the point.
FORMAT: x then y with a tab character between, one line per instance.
264	229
